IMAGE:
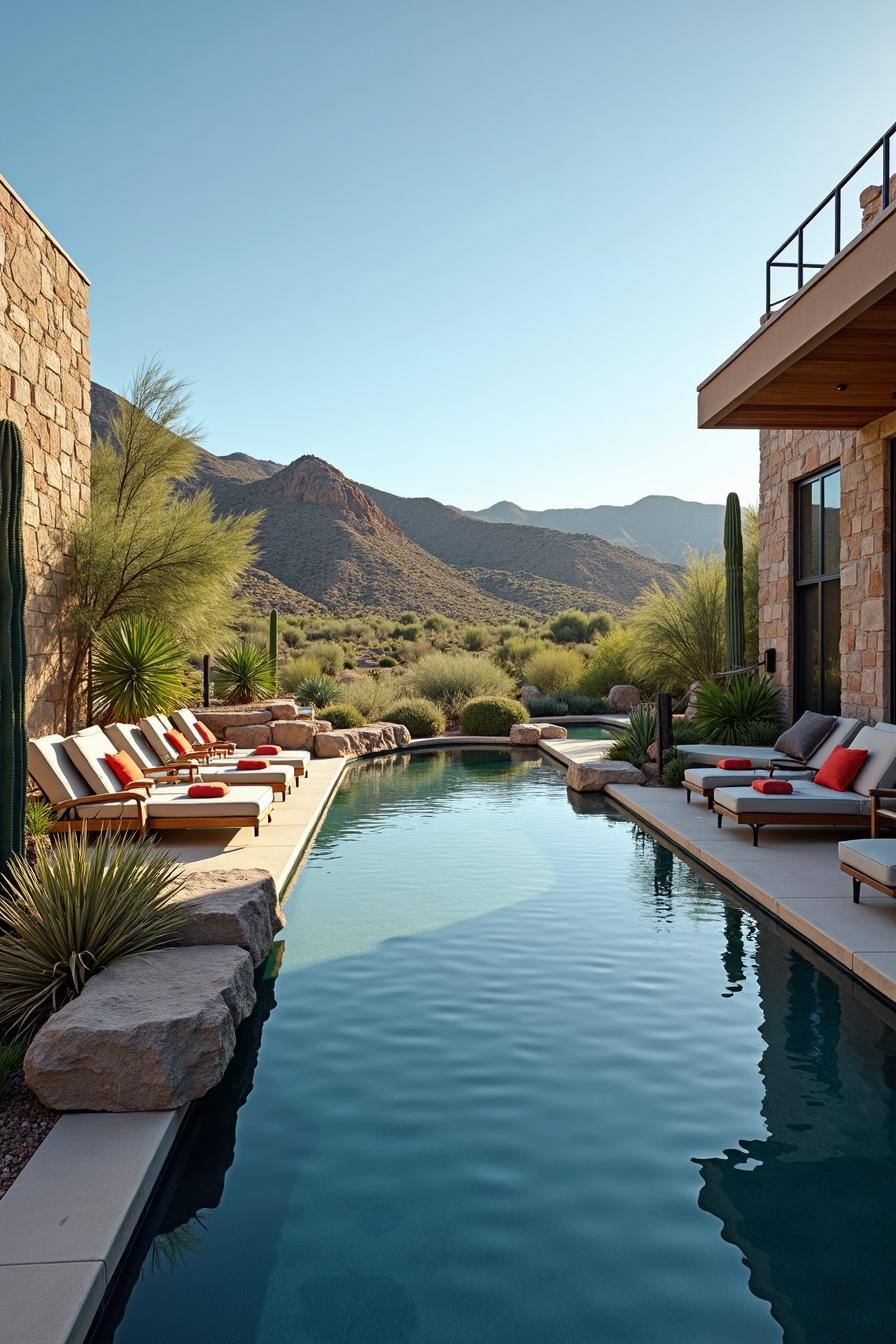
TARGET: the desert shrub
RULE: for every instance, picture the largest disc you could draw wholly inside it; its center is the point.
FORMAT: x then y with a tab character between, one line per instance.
685	731
138	669
318	691
744	712
674	766
474	638
343	716
293	639
579	627
551	668
243	674
408	618
678	636
409	633
577	703
77	909
632	742
608	664
386	661
421	717
298	670
372	695
451	679
492	716
330	656
39	818
11	1056
543	706
514	652
437	624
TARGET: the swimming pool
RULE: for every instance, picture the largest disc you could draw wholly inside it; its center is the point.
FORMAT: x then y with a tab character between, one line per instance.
589	732
526	1077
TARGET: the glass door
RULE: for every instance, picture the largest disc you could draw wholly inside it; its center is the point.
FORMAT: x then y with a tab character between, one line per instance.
817	616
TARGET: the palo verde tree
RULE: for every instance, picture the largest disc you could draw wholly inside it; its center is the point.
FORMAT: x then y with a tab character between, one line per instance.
151	544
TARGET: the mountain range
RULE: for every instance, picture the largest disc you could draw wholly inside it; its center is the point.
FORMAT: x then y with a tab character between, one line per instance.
328	543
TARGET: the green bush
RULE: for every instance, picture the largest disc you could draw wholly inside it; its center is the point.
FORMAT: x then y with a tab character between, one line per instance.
632	742
678	632
138	669
243	674
437	624
330	656
474	638
745	712
421	717
608	664
11	1055
409	633
546	706
343	716
551	668
386	661
515	651
408	618
577	703
673	769
578	627
492	716
318	691
297	670
39	818
77	909
373	694
451	679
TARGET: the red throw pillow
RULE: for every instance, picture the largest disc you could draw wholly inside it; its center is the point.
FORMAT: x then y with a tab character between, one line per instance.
205	733
772	786
125	768
269	750
735	763
179	742
841	768
247	763
208	790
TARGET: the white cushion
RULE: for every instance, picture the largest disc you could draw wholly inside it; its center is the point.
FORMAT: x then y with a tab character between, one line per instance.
53	770
879	769
806	797
241	801
285	757
88	750
129	738
221	772
185	720
841	735
710	753
153	729
708	777
876	858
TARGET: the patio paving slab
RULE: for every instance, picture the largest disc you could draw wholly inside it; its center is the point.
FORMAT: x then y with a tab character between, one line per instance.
46	1304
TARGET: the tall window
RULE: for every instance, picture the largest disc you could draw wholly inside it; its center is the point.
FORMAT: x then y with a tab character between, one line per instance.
817	632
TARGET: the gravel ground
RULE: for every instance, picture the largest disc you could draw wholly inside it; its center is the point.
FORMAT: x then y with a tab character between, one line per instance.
24	1124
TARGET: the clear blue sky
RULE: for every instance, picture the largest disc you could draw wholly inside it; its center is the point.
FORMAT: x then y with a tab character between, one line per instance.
467	248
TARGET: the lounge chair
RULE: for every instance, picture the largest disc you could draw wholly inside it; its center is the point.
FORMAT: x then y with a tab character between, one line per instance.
185	721
78	806
168	806
127	737
810	804
705	779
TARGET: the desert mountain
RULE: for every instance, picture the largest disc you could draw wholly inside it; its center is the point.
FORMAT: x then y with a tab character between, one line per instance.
327	542
660	526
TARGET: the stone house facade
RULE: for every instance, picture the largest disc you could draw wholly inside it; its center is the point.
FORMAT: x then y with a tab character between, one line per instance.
45	390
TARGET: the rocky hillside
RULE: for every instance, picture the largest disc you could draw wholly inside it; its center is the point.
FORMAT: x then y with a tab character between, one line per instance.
327	542
660	526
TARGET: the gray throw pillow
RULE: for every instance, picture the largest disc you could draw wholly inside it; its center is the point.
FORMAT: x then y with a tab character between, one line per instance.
806	735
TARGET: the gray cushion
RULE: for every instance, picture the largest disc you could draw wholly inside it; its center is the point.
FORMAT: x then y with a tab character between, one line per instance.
707	777
806	735
806	798
876	858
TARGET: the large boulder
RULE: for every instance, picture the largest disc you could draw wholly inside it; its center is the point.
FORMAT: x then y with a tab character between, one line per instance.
552	731
525	734
528	693
149	1033
623	699
339	742
281	709
219	718
595	777
237	907
364	741
298	734
249	734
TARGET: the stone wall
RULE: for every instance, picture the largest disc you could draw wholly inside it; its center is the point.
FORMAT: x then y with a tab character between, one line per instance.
45	389
785	457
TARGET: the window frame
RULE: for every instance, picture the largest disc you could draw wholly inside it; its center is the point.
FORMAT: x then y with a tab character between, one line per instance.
816	581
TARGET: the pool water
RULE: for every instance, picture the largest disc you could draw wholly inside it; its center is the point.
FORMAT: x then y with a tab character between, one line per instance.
589	732
519	1075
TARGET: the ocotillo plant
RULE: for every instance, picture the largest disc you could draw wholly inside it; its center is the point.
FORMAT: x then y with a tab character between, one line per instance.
272	645
13	742
734	582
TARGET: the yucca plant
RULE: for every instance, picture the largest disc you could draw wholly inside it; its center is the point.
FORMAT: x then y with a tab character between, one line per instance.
78	909
243	674
634	740
137	669
318	691
39	819
744	712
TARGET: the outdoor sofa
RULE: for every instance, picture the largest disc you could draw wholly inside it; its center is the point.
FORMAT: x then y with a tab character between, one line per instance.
811	804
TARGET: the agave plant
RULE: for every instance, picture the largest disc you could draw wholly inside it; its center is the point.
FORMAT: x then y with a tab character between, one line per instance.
746	711
633	742
137	669
243	674
76	910
318	691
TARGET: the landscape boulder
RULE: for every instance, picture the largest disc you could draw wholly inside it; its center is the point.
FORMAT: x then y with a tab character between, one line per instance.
528	693
361	741
623	699
281	709
298	734
552	731
149	1033
237	907
248	734
595	777
219	718
525	734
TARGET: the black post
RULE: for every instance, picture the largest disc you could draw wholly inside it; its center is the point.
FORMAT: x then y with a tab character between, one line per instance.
663	726
206	663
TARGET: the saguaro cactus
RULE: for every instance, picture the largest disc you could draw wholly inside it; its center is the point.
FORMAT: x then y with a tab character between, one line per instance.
272	644
734	582
13	741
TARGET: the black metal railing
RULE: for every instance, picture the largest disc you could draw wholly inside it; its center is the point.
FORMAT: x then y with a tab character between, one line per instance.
835	198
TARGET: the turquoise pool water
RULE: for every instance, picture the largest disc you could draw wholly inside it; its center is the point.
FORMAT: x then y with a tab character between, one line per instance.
524	1077
589	732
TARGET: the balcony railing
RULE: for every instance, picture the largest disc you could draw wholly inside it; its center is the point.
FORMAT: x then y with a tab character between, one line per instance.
828	216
